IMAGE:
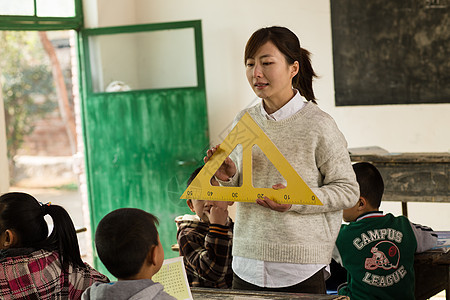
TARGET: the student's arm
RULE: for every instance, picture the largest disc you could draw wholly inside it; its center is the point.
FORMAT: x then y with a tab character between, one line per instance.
209	257
425	236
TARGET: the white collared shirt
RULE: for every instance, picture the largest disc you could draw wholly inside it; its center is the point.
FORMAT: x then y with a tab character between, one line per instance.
276	274
293	106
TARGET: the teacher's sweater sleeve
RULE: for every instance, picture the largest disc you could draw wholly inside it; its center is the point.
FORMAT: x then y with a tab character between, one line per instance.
338	188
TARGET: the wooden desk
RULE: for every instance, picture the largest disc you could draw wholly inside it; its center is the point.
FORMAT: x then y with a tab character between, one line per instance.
416	177
432	270
212	294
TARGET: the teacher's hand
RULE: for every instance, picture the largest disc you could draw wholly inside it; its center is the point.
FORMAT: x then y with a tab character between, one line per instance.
226	170
266	202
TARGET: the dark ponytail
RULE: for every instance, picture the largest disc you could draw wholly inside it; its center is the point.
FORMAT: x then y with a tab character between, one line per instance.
303	80
64	237
23	214
288	44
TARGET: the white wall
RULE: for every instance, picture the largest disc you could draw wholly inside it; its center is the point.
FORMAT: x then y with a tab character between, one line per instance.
226	27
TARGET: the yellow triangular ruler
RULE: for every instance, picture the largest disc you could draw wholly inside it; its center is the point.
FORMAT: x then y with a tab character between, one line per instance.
247	133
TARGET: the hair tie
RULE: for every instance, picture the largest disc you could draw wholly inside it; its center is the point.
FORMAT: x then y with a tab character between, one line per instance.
44	207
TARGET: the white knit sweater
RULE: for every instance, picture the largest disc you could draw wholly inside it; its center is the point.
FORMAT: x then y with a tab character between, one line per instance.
317	150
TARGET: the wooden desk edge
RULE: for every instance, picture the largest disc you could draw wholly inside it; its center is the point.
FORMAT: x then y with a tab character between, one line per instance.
433	257
231	292
408	157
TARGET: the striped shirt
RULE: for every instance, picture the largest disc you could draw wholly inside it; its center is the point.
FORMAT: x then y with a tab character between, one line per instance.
206	249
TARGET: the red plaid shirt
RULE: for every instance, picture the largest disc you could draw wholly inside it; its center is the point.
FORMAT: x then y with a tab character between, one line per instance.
38	275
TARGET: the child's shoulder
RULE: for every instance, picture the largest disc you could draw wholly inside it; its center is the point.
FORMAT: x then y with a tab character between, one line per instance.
368	221
401	218
187	217
191	223
136	289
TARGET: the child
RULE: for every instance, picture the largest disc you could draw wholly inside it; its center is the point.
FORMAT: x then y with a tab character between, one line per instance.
36	265
128	244
378	250
205	241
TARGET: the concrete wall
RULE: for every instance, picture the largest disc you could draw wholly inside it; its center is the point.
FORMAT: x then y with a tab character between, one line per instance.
226	27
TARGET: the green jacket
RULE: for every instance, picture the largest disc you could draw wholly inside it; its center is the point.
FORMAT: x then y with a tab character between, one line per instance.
378	252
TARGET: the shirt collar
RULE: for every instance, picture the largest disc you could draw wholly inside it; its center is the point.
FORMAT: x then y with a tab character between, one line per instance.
289	109
370	214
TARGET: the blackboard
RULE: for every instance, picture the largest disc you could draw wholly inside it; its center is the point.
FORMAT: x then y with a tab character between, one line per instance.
391	51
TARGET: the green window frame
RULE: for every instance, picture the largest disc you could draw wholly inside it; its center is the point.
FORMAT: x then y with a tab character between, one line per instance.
91	32
35	22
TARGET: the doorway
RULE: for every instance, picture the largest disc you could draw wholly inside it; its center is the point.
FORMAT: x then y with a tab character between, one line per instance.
145	119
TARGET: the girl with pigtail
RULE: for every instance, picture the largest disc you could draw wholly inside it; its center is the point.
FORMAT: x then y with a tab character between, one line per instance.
35	264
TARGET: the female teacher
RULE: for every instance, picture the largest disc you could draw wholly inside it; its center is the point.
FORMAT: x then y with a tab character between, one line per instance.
284	247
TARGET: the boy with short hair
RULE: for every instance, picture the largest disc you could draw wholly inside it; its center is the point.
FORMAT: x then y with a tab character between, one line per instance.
205	241
128	244
378	250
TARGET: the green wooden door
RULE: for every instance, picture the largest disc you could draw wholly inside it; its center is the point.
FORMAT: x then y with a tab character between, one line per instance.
143	141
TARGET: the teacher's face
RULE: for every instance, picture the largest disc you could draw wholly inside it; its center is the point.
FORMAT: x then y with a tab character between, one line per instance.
270	76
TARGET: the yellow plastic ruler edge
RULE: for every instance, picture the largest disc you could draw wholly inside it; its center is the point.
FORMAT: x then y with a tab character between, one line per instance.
247	133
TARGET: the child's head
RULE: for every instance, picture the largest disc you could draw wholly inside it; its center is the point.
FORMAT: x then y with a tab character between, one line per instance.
22	225
371	188
22	221
128	244
202	207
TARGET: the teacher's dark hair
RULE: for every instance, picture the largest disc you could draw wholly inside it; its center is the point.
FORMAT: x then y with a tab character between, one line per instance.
23	214
288	44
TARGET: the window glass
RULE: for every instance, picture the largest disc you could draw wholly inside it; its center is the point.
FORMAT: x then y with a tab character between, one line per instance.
144	60
17	7
47	8
44	8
